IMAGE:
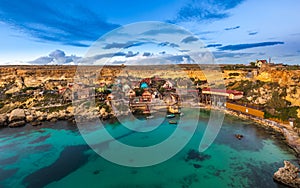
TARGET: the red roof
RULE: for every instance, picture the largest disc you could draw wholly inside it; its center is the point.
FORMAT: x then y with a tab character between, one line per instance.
262	60
147	80
61	90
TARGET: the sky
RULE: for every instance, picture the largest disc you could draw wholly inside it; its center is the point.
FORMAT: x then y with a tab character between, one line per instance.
234	31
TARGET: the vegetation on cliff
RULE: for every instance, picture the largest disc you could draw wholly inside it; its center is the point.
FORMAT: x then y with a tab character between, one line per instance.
268	96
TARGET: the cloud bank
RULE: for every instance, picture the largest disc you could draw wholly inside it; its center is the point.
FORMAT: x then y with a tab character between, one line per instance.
250	45
56	57
69	23
189	39
232	28
205	10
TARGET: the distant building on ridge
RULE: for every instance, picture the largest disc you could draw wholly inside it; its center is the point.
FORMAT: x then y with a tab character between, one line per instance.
259	63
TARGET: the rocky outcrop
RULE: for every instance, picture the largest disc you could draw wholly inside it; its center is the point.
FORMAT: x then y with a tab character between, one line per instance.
29	118
17	118
3	120
41	116
17	114
20	117
288	175
292	139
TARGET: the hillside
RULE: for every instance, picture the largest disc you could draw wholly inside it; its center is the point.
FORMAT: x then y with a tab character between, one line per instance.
272	88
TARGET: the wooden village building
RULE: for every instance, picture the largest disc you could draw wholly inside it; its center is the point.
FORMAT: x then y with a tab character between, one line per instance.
218	97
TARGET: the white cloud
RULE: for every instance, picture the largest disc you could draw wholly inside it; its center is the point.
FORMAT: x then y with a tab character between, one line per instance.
56	57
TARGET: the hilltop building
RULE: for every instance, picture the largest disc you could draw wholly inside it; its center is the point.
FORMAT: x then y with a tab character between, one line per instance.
259	63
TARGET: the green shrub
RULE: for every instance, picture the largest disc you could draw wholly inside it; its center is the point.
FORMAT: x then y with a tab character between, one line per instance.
282	113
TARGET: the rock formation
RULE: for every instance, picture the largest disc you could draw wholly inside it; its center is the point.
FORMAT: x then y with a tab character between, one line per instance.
17	118
3	120
17	114
288	175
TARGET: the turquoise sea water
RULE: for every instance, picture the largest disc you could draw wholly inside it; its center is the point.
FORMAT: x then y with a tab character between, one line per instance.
55	155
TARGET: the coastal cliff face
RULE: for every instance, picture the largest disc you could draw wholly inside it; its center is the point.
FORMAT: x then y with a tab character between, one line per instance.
289	79
14	79
261	85
20	117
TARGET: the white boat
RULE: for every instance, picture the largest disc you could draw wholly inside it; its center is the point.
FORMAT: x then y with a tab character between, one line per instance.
170	115
150	117
172	122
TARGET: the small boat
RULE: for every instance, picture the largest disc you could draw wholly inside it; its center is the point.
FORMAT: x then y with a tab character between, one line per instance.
172	122
150	117
170	115
181	114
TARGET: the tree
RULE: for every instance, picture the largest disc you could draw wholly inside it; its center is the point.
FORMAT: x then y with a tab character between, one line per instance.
252	64
139	91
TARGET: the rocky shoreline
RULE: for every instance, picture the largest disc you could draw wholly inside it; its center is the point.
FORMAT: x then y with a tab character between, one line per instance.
290	136
289	174
21	117
26	117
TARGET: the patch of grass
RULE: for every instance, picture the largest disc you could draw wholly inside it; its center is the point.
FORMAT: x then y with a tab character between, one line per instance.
55	108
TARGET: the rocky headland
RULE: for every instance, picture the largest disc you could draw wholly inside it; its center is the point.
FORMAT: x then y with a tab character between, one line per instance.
288	175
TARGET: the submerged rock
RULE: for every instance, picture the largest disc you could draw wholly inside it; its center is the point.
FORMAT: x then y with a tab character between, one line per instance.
288	175
96	172
17	123
197	166
36	123
196	156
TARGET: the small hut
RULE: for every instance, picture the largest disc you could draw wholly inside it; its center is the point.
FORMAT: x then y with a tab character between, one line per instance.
144	85
146	96
167	85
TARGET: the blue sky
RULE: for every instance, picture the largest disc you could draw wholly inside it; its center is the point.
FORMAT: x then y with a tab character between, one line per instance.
235	31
